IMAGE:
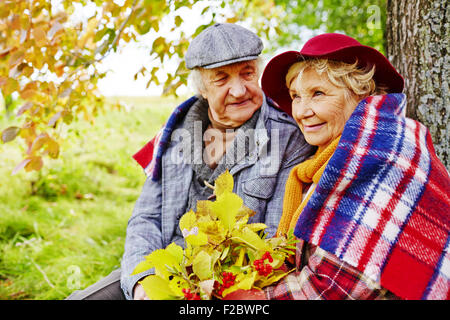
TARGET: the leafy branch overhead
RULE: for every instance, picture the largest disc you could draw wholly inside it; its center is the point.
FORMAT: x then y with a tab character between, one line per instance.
49	57
224	253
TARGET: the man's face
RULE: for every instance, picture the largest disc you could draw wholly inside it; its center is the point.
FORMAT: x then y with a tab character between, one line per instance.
233	93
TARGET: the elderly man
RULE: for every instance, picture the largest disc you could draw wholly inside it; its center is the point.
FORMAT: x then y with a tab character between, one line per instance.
228	125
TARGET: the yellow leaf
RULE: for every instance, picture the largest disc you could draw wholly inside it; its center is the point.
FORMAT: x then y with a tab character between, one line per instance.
199	239
39	36
178	21
188	221
55	118
158	44
278	260
26	106
225	253
27	94
20	166
232	19
249	237
226	208
10	86
16	58
35	163
189	228
40	140
215	231
257	226
215	255
223	183
176	251
89	33
245	212
157	288
52	148
202	265
59	68
204	208
240	259
161	259
274	277
141	267
27	71
243	281
15	22
56	27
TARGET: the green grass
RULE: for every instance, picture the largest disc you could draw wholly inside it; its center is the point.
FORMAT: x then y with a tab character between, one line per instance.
64	228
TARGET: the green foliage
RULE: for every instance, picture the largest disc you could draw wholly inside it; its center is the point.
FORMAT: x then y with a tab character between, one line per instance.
223	252
63	228
365	20
49	57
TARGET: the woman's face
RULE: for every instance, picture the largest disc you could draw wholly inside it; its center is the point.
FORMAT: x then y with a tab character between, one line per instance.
320	108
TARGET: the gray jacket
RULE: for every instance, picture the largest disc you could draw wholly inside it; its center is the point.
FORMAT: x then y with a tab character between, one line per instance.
259	179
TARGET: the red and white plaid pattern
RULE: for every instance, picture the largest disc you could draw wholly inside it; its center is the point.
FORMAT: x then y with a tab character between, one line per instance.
382	204
325	277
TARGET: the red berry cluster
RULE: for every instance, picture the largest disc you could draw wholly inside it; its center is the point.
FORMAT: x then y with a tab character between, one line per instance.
227	281
189	295
262	268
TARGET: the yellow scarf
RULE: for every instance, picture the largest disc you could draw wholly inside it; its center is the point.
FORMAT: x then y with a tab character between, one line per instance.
306	172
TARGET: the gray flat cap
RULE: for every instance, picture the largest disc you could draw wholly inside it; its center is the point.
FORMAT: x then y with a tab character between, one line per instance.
222	44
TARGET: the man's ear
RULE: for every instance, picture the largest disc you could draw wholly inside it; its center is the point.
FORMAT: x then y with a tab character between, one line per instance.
198	78
203	93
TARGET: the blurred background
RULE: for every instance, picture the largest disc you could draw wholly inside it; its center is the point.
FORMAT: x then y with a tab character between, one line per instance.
85	84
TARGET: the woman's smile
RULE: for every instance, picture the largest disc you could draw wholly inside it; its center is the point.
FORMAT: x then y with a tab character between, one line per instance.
313	127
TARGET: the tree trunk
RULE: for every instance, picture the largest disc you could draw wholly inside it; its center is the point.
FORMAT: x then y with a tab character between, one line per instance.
417	33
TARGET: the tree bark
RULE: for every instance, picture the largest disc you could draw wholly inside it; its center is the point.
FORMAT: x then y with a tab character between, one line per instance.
418	41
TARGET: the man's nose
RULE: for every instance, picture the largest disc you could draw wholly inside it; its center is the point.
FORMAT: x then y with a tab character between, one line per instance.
237	88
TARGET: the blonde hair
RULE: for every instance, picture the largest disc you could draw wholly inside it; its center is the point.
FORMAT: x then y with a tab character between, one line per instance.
356	80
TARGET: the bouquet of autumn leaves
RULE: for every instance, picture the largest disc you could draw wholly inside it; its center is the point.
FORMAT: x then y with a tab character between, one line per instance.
223	252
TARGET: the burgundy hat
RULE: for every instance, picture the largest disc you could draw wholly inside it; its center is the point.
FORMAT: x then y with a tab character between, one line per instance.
333	46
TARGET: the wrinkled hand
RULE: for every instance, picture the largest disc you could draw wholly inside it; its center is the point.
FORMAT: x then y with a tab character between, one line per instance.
253	294
139	292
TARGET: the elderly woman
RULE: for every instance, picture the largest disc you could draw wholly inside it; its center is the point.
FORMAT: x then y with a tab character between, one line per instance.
371	207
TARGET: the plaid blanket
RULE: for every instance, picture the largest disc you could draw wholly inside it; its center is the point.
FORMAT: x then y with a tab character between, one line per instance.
382	204
322	276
